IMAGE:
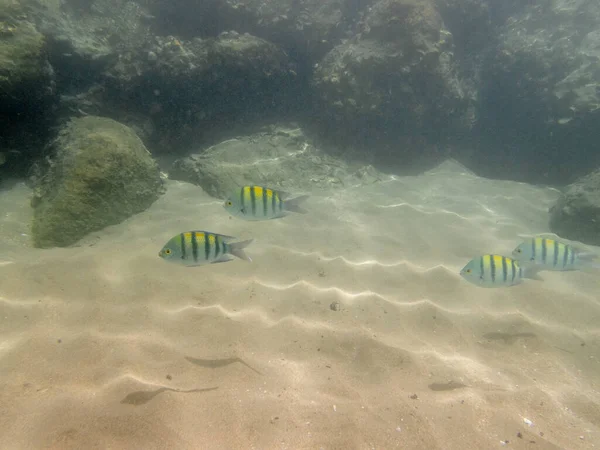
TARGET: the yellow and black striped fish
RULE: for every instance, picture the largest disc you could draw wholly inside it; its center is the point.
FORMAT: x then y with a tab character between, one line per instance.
262	203
551	254
493	271
195	248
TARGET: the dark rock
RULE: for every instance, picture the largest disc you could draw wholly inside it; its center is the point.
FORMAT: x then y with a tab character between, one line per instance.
198	84
541	95
553	48
399	71
470	22
101	175
23	64
27	87
86	37
279	157
576	215
309	28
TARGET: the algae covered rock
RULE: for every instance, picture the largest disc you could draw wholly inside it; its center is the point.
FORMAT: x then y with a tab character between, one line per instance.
101	175
24	69
576	215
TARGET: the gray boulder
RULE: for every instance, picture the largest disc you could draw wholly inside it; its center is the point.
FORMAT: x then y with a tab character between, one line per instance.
195	65
400	70
27	85
576	215
279	157
100	175
88	35
24	69
549	56
189	86
310	27
540	95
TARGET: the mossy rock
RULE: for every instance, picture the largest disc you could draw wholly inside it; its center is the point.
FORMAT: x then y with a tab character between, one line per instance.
22	57
101	175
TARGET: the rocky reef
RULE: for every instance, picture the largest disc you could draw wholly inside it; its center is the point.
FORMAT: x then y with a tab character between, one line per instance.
511	89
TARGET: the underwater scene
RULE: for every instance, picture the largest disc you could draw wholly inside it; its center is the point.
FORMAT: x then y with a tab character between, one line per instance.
299	224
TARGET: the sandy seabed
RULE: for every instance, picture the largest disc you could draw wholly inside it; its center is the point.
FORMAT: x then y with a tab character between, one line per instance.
352	328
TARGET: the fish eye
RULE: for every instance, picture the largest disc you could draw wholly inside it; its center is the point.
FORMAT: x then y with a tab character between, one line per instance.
229	203
468	271
519	250
167	251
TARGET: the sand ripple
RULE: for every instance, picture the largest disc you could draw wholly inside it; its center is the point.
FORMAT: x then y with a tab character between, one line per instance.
351	328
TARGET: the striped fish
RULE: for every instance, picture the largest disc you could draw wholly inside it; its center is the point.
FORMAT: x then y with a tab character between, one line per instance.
195	248
261	203
551	254
493	271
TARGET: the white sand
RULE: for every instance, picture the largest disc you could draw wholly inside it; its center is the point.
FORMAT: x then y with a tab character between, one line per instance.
476	362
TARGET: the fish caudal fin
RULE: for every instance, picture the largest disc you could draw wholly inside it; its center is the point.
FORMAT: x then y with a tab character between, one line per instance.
586	256
293	204
237	249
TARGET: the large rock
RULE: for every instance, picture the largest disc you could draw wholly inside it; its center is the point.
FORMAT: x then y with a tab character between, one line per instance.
23	63
549	57
27	86
541	91
576	215
189	86
306	27
279	157
101	174
399	71
50	48
85	36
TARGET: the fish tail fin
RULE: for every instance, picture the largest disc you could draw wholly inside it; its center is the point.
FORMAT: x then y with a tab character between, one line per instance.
237	249
293	204
586	256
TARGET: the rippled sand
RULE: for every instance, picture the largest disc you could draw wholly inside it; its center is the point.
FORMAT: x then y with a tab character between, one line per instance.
104	345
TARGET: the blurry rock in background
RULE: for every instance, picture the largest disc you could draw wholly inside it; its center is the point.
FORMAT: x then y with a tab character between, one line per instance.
399	72
540	94
576	215
27	86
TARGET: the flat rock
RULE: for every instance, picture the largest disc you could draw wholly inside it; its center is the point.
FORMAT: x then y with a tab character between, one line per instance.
281	157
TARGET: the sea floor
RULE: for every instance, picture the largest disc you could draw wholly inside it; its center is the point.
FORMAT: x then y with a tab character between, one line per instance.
351	328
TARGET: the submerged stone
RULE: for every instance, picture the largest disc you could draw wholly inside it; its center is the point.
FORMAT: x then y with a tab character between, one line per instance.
576	215
280	157
101	174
